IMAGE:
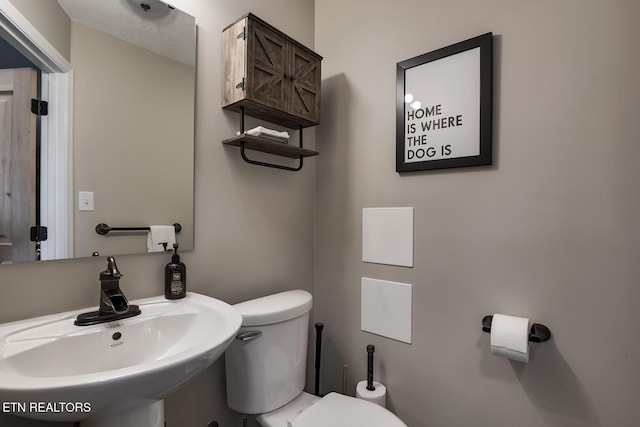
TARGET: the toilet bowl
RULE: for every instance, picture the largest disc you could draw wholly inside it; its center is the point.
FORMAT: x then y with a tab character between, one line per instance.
266	364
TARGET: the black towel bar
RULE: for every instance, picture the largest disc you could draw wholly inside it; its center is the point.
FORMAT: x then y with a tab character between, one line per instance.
103	228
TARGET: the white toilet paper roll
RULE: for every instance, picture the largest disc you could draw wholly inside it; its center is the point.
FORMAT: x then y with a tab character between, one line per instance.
377	396
510	337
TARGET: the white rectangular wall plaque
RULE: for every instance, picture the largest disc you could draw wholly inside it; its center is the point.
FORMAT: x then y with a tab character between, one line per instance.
386	309
387	236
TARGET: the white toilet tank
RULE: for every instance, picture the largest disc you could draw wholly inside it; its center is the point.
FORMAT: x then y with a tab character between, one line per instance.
266	363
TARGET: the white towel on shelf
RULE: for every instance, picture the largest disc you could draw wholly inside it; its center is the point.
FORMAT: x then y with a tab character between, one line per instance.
159	234
268	133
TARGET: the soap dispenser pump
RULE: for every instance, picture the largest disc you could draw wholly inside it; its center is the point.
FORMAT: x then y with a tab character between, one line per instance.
175	277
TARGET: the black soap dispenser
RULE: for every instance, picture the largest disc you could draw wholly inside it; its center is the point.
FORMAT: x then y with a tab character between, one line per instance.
175	277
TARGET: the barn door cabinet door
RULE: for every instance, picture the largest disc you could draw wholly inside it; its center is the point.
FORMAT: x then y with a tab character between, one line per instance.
272	76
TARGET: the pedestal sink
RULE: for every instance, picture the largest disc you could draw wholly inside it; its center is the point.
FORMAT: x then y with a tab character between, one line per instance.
115	373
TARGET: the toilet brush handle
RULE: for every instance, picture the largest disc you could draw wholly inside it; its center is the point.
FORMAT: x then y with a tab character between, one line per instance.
319	326
370	350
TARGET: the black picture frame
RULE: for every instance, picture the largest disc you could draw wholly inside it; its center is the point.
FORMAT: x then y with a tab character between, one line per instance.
434	143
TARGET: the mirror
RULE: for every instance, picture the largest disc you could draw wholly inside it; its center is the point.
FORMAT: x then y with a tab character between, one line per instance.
132	135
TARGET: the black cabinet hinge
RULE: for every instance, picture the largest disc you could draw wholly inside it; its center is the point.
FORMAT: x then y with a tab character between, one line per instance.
38	233
243	34
39	108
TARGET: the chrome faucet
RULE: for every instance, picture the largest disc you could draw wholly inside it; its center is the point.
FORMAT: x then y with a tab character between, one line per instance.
113	303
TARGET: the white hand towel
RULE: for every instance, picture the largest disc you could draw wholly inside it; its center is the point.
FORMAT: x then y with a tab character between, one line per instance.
268	133
159	234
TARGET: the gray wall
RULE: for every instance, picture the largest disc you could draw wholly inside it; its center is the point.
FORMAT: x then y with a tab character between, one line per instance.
50	20
550	232
133	123
254	226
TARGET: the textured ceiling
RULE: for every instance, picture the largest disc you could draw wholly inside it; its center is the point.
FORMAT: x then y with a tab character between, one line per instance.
161	28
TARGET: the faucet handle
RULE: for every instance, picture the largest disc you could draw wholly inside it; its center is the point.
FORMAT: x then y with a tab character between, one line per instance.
112	271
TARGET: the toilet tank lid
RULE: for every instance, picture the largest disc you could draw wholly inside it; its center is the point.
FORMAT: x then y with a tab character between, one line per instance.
275	308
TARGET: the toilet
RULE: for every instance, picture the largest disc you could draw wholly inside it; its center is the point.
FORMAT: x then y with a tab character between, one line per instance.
266	364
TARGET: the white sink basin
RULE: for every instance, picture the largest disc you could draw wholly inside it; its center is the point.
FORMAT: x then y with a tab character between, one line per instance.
51	369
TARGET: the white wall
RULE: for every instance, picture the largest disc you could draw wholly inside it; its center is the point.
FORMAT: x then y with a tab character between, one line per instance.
551	231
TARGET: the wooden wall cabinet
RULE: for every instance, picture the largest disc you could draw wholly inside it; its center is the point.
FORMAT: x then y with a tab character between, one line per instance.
270	75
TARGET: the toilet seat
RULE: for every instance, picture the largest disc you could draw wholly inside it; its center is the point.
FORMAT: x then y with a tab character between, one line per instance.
335	410
282	417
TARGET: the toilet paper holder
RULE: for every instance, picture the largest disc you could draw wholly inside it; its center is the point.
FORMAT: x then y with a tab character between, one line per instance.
537	333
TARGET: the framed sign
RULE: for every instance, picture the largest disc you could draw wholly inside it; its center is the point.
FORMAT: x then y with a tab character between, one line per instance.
444	107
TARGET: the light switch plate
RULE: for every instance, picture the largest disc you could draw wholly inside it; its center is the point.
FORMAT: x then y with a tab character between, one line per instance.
85	201
386	308
387	236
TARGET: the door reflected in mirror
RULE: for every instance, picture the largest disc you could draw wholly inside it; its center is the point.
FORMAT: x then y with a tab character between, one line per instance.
131	130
